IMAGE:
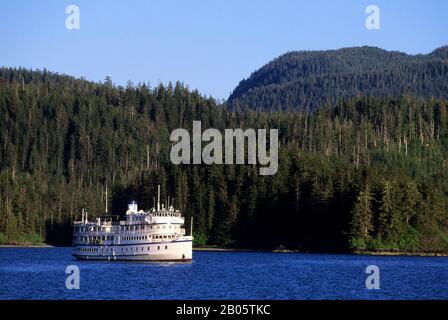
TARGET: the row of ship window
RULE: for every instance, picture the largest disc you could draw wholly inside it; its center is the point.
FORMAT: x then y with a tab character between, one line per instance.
104	238
137	227
133	249
147	237
163	226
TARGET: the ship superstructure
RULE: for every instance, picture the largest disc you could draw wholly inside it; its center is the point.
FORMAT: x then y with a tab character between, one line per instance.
157	234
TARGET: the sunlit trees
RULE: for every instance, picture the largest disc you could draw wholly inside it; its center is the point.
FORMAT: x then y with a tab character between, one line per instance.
366	172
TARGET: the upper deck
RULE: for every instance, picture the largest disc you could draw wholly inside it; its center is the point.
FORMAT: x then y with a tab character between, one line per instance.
136	222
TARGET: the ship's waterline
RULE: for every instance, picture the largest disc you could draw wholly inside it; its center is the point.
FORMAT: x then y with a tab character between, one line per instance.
154	235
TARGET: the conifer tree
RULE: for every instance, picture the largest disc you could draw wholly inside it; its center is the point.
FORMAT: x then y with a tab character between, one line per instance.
361	224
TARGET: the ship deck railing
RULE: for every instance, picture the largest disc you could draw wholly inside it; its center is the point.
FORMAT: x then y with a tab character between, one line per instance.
181	231
129	232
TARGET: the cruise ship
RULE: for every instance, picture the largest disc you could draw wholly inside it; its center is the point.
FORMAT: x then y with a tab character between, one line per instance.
154	235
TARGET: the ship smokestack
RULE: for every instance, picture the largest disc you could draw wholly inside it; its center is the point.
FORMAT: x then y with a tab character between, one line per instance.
133	207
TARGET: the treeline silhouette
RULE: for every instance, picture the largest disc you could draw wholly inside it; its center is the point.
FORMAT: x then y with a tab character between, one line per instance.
358	173
305	80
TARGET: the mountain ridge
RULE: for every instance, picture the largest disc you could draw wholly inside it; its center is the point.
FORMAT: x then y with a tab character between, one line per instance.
300	80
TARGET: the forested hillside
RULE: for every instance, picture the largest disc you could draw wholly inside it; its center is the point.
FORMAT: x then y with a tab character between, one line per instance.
304	80
359	172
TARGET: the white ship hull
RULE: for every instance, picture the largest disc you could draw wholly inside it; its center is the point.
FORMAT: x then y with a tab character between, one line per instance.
159	251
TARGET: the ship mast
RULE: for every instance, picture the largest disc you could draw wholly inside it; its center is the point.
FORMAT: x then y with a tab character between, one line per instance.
158	197
106	197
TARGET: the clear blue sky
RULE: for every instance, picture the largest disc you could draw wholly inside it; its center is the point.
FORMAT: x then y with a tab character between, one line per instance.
208	44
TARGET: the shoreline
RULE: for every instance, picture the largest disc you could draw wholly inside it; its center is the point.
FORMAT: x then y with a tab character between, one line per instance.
279	250
25	245
354	252
218	249
400	253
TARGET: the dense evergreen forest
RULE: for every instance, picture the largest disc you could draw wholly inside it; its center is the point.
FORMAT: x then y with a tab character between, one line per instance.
307	79
356	173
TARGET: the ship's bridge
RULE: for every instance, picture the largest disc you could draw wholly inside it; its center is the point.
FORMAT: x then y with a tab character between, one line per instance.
154	216
165	216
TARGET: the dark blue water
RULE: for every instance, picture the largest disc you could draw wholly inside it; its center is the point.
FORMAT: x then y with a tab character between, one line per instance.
39	273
